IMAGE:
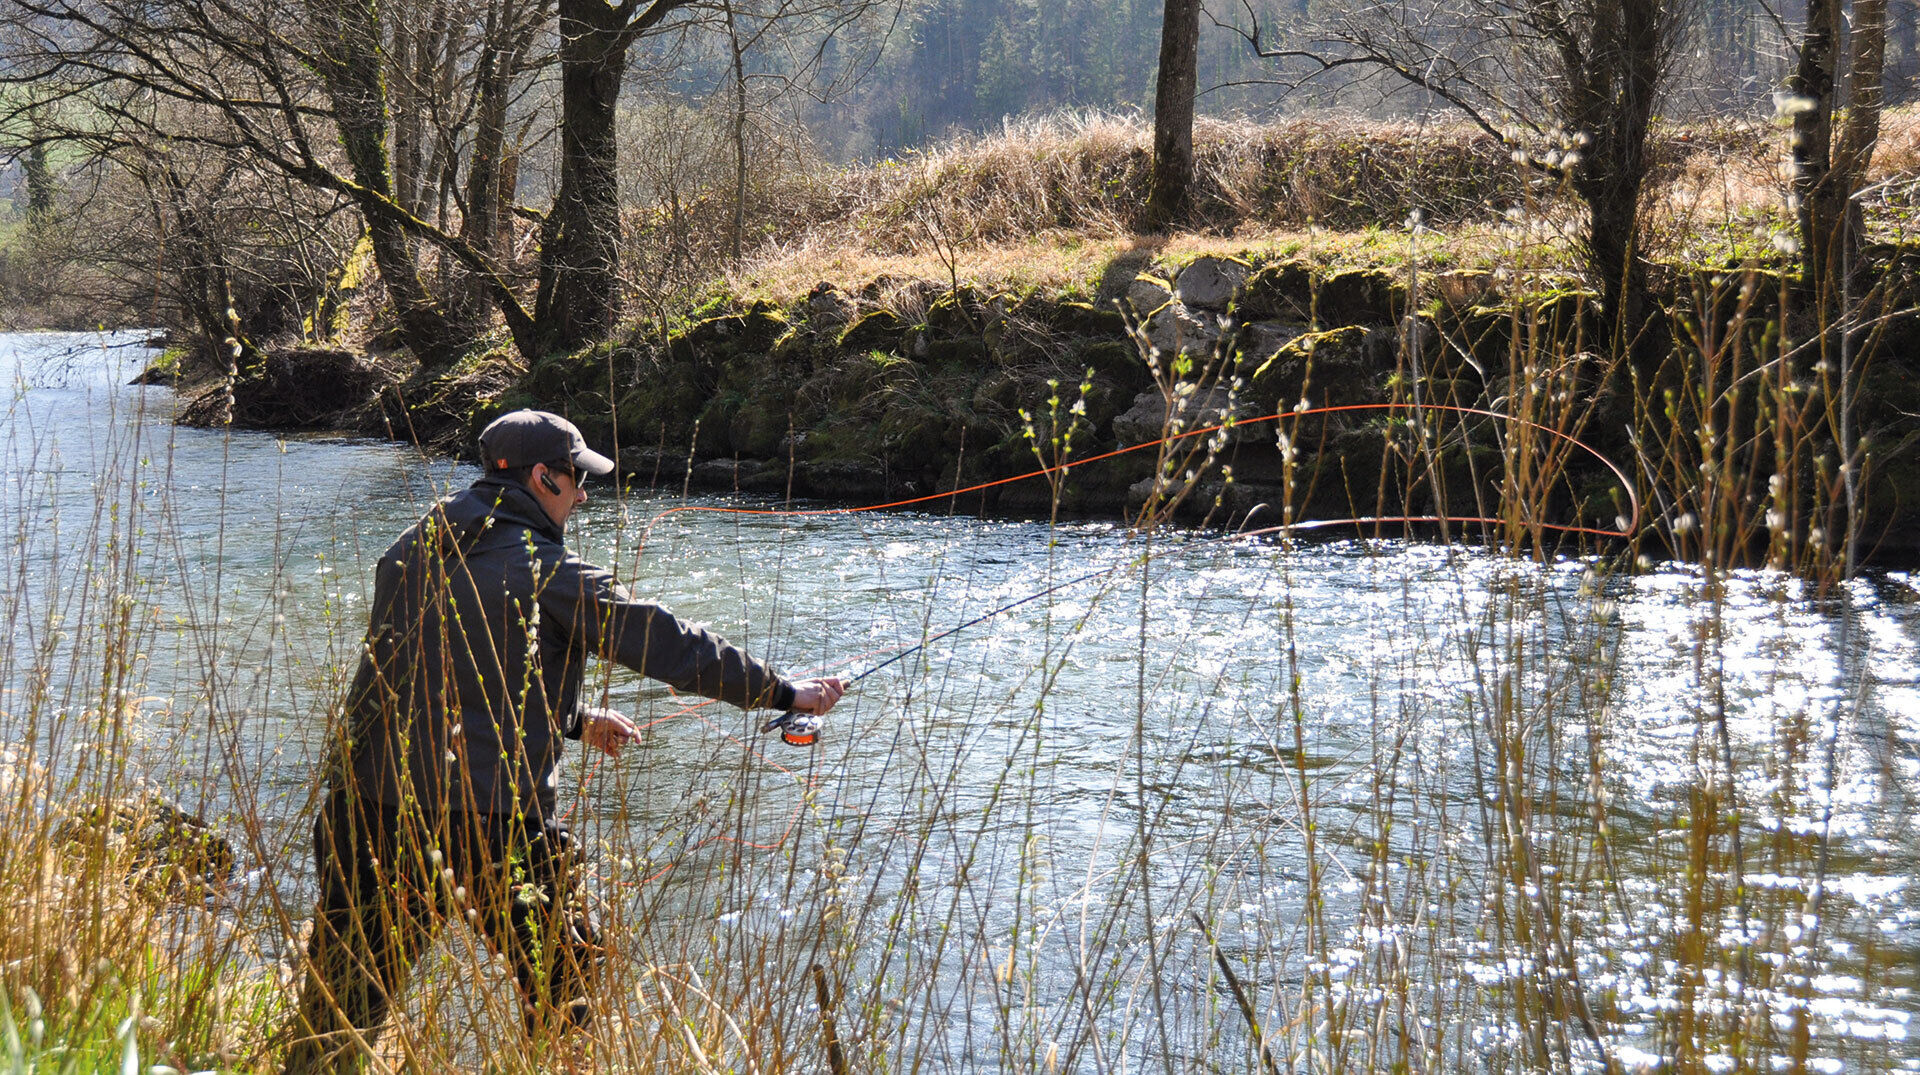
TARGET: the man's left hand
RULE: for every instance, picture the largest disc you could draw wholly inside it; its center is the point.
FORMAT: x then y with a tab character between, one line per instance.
609	730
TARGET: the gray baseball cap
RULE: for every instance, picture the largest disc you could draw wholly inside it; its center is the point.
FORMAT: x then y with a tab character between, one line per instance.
523	438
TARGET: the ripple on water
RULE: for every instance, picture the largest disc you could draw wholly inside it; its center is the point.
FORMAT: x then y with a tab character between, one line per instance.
1453	721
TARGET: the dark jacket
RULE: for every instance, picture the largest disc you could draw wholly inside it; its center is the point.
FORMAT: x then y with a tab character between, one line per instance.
476	647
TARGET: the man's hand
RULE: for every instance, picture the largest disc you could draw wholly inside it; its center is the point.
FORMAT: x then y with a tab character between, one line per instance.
607	729
816	696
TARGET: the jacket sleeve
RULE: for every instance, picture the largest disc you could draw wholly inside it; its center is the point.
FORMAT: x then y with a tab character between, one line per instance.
602	618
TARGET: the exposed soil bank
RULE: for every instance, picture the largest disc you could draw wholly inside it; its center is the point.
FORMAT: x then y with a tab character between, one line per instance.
908	388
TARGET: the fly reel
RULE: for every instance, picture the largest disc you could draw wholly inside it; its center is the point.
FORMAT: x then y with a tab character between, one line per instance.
797	729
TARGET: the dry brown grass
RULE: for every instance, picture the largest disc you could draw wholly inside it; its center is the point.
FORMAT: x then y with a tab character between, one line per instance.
1052	203
1068	264
94	931
1899	152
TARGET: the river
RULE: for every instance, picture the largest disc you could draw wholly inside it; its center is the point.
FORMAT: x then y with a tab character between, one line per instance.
1462	811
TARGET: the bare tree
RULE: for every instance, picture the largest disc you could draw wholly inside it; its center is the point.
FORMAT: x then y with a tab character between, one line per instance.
579	292
1579	78
386	104
1168	195
1836	127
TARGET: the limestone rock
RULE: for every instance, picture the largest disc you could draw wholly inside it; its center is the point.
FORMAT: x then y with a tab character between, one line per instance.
1148	293
1174	329
1361	297
1149	419
881	330
1338	366
1463	287
1261	340
827	306
1210	283
1279	292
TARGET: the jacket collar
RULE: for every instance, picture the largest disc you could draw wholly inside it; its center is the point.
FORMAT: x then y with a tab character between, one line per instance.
510	502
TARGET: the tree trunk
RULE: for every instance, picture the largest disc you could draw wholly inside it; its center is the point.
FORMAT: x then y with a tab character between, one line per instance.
1906	73
481	225
410	113
348	35
1859	125
1834	140
1812	86
40	186
738	51
579	297
1613	105
1169	198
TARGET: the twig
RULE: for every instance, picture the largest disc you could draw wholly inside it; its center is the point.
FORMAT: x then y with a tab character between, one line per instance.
1239	994
836	1061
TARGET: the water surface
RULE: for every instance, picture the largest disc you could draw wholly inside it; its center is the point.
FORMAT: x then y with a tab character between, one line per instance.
1683	806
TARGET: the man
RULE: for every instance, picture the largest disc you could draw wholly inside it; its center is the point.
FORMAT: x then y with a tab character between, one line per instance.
441	792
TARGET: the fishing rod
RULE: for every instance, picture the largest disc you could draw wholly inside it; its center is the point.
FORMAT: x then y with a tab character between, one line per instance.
803	729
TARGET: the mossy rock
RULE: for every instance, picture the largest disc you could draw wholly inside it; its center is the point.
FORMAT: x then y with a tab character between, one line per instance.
1460	289
961	312
918	439
1361	297
1716	305
1335	367
660	406
1890	522
1148	292
1894	269
1282	291
967	352
754	330
1086	319
1484	330
1888	398
853	381
1566	316
1555	320
1116	364
561	376
759	427
798	349
714	434
880	330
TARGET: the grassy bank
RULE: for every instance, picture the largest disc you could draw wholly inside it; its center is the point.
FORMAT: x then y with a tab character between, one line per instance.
893	330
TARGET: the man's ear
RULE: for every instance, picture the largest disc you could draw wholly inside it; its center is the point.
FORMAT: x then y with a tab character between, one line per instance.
546	480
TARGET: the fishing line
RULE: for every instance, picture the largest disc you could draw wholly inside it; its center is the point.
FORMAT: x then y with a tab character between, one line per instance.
801	729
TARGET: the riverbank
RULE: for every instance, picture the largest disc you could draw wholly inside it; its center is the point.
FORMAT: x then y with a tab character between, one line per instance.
978	310
907	387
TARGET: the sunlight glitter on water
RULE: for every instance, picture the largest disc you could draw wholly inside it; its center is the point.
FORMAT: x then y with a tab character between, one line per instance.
1458	723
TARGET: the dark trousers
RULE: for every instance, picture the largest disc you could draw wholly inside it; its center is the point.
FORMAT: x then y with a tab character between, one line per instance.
387	884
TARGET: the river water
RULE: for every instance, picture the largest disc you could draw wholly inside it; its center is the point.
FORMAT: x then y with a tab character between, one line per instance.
1435	807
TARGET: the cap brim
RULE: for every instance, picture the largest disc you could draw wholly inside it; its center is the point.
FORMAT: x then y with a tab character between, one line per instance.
591	461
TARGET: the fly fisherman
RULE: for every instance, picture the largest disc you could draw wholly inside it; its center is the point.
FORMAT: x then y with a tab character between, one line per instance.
440	798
